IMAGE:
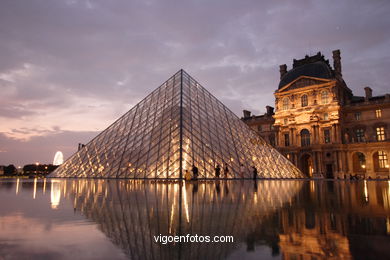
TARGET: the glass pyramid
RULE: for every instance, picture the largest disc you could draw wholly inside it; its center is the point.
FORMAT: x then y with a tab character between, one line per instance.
178	125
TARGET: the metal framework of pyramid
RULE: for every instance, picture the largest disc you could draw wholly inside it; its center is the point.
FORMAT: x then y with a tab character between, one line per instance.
178	125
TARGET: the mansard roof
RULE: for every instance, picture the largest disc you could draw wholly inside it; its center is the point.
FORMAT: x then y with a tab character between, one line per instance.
312	66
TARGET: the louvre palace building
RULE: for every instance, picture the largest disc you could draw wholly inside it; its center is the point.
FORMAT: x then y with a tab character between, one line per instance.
321	127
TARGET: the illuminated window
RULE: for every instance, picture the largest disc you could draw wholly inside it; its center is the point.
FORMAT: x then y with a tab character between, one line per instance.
324	97
286	104
327	136
304	100
305	137
359	135
326	116
380	133
378	113
358	115
382	159
286	139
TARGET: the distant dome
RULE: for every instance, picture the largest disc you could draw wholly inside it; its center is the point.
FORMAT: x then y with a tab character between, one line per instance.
58	158
307	67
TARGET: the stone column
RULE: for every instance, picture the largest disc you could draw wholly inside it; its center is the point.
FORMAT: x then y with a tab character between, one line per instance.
370	171
320	161
313	134
292	136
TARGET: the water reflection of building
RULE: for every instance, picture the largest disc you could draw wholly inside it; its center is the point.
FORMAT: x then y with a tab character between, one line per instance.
321	126
332	220
55	194
299	220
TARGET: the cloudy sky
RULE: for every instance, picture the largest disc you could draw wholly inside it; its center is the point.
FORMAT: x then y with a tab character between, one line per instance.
70	68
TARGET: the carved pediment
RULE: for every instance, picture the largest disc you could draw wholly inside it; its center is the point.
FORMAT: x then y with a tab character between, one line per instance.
303	81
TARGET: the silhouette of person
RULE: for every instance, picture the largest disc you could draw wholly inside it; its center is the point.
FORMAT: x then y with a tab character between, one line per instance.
217	171
195	172
226	171
254	172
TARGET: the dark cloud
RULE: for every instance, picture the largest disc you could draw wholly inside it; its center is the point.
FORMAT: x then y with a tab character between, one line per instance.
81	64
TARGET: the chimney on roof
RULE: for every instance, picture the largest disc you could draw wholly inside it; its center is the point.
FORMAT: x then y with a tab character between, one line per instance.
283	70
368	91
270	110
247	113
337	62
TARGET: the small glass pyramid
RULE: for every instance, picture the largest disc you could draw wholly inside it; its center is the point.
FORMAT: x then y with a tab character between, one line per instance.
178	125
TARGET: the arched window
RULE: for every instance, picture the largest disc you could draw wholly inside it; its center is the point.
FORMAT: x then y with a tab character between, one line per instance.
305	137
286	104
304	100
359	162
324	97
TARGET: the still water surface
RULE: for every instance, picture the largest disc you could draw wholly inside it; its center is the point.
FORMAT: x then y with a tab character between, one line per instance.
118	219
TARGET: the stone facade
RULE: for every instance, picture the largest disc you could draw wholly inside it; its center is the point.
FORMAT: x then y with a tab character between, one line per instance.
322	127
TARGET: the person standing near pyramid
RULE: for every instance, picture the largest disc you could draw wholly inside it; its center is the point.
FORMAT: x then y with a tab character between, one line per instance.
254	170
195	172
217	171
226	171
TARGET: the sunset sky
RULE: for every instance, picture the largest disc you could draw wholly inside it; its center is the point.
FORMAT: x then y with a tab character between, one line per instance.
68	69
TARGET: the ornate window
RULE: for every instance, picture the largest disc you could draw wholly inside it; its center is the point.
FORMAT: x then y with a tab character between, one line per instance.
382	159
380	133
358	116
324	97
304	100
286	139
327	136
362	160
359	135
326	116
286	103
305	137
378	113
359	162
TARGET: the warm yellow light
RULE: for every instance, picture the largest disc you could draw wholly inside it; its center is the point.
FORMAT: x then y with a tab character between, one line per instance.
37	163
364	166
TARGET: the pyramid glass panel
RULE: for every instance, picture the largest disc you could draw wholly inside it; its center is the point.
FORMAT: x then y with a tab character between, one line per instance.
178	125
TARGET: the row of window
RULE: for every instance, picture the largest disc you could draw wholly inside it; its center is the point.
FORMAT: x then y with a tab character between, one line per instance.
380	161
304	100
378	114
360	136
305	137
380	134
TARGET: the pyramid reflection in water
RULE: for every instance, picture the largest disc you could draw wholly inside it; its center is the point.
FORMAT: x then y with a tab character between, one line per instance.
132	212
179	124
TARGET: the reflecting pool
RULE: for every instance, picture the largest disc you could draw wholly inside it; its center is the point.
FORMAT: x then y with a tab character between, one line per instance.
124	219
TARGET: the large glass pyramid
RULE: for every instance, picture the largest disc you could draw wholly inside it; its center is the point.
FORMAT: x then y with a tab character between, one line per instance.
178	125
